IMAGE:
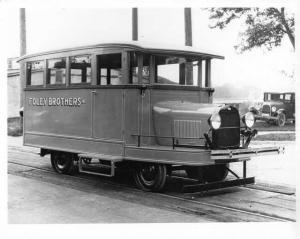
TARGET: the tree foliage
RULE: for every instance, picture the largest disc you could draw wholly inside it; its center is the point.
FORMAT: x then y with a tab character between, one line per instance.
264	27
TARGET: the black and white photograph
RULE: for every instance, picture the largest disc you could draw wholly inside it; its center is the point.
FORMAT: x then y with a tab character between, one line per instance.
140	118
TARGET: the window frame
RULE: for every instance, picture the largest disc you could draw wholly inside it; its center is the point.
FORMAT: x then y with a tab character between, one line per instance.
69	71
67	75
28	82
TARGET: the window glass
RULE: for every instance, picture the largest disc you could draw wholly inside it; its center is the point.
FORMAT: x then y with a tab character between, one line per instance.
109	69
80	69
35	73
281	97
56	71
171	68
288	97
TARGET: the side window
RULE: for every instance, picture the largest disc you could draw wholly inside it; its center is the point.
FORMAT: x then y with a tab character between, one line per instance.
144	67
168	69
35	73
288	97
80	69
281	97
56	72
175	70
109	66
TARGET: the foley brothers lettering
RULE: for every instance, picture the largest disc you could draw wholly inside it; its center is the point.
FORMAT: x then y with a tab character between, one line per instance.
56	101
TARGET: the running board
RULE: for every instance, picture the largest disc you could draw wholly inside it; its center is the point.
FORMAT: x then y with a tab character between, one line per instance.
111	158
217	185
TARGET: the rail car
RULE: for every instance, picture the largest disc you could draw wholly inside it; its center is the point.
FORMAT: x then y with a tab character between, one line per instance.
148	108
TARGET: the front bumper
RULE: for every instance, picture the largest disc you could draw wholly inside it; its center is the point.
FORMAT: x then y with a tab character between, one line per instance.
242	154
265	116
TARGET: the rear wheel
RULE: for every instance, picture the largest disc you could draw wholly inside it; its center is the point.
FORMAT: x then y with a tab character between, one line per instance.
63	162
281	119
211	173
150	177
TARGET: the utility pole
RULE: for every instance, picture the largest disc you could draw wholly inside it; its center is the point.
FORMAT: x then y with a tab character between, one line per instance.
22	52
188	42
134	24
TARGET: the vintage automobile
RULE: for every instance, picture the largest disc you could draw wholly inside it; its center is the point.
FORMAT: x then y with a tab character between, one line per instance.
277	108
100	107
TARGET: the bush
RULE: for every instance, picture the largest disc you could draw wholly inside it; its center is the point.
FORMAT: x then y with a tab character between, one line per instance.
14	126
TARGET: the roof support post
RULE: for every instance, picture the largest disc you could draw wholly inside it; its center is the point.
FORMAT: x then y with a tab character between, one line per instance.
199	83
95	70
153	70
208	73
182	74
125	67
140	68
68	71
189	73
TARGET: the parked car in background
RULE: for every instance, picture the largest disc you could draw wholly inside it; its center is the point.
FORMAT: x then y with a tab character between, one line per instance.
277	108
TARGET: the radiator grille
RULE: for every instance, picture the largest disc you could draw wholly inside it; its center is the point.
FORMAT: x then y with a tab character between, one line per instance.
227	137
266	109
187	129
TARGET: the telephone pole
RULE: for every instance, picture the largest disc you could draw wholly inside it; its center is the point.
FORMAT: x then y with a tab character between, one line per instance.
188	42
22	52
134	24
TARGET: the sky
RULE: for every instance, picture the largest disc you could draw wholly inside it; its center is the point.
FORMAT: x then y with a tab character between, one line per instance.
59	28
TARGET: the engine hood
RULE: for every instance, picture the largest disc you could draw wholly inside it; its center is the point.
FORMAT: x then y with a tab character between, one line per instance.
184	107
273	103
182	119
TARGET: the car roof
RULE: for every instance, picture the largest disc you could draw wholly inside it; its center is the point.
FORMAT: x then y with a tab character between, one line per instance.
279	93
139	46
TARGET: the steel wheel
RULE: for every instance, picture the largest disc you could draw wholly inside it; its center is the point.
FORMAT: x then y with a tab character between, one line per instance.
150	177
211	173
62	163
281	119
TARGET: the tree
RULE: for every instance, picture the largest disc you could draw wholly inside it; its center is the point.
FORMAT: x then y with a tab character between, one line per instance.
264	27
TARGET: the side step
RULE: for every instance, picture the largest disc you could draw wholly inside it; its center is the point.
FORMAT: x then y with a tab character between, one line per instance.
111	158
217	185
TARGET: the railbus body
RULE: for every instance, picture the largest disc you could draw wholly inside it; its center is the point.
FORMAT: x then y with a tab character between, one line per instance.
148	108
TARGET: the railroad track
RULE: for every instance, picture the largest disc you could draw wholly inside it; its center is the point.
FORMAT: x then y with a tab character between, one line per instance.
180	202
258	186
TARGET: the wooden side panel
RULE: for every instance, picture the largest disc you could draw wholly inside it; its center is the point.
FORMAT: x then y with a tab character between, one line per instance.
133	109
58	112
108	113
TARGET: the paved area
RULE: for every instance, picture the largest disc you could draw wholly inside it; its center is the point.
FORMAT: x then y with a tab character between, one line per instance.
41	202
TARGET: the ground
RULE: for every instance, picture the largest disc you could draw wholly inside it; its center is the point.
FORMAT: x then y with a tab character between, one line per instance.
45	197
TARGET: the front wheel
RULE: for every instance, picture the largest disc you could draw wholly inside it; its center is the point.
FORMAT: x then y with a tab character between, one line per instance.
281	119
62	162
150	177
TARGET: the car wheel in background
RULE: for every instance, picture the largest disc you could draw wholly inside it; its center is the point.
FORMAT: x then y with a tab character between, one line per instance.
281	119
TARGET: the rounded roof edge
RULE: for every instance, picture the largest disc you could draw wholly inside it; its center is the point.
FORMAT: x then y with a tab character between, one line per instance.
135	45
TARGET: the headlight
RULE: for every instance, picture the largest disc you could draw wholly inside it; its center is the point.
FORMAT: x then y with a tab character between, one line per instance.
249	119
215	121
273	108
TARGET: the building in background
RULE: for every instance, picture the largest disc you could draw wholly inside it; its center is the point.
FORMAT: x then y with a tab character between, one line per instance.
13	87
